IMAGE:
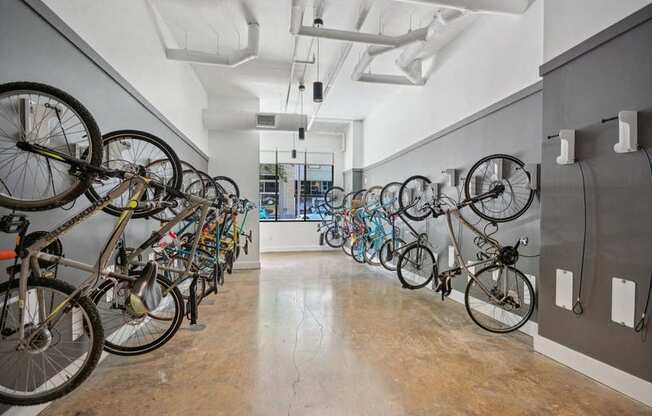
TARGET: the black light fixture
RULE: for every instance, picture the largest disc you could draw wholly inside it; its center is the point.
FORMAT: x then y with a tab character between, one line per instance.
318	86
302	129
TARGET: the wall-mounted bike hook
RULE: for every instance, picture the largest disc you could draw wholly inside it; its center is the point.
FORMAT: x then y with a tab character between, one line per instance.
567	147
627	132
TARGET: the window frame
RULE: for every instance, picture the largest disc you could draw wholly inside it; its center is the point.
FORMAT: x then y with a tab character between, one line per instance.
303	187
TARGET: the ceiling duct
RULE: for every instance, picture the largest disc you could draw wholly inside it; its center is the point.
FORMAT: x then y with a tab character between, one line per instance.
249	121
297	29
514	7
231	60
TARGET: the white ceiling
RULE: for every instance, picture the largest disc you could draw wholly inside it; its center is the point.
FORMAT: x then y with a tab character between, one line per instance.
220	25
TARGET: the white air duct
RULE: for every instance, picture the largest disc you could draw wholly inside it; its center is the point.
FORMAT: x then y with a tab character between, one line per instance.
478	6
238	57
234	59
297	29
446	25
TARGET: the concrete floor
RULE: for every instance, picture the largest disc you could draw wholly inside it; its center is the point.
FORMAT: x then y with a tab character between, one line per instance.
317	334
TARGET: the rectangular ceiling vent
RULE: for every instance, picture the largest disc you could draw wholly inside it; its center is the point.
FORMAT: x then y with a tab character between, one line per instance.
265	121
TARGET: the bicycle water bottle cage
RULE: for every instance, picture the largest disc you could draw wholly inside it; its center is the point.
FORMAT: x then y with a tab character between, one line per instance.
146	293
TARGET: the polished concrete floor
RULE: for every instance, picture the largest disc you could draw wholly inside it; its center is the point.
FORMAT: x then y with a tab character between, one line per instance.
317	334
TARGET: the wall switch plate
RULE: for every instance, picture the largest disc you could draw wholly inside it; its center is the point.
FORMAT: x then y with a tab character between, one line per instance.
495	275
623	301
564	289
526	296
451	256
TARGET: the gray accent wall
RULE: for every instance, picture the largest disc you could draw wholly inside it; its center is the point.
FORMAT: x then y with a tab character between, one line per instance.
512	126
32	49
597	81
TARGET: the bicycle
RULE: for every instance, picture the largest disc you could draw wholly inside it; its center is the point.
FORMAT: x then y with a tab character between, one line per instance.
497	190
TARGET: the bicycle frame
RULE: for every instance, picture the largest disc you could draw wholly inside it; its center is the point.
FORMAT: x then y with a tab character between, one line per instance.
30	264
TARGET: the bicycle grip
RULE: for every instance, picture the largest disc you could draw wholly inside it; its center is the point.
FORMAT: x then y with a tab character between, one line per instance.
8	254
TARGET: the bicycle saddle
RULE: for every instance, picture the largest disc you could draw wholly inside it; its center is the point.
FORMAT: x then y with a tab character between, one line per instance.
146	293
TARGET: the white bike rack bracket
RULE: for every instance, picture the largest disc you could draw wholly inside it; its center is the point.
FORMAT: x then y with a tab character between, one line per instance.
627	132
567	147
451	176
533	169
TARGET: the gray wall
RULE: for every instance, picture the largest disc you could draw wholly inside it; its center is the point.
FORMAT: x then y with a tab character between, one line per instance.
31	49
580	89
512	126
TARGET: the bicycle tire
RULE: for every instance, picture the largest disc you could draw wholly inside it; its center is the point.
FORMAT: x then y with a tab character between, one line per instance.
386	196
403	199
475	206
357	252
525	317
229	182
402	260
170	155
329	200
95	146
330	231
384	261
123	350
93	327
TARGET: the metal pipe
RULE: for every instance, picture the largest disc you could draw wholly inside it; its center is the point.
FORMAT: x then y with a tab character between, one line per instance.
510	7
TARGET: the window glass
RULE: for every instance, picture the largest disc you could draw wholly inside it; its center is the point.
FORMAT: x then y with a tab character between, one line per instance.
290	189
267	192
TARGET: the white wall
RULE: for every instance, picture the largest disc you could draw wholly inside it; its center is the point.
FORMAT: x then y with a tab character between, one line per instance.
495	57
298	236
569	22
124	34
236	154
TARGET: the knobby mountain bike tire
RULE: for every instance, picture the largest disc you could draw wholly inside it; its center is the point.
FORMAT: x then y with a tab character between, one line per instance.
90	326
39	114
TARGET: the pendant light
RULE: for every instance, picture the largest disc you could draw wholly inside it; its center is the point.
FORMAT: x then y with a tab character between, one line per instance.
318	86
302	129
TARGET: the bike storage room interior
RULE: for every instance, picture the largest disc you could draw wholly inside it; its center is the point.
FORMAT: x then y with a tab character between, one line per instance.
325	207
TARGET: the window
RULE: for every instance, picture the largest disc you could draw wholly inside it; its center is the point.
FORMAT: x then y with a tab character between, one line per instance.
291	189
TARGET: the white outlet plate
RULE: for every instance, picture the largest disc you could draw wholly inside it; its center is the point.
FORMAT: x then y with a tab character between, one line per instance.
623	301
526	296
564	289
451	256
495	275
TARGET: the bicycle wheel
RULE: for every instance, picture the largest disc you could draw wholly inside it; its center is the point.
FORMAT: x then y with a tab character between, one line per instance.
139	153
389	255
229	185
212	190
501	300
40	115
372	252
70	345
389	197
346	246
356	198
415	197
334	237
358	250
334	197
127	334
506	172
416	267
372	196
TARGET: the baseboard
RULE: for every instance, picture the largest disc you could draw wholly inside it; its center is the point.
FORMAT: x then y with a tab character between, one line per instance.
530	328
288	249
246	265
632	386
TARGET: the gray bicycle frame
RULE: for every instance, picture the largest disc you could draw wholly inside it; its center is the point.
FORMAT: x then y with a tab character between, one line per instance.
30	264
